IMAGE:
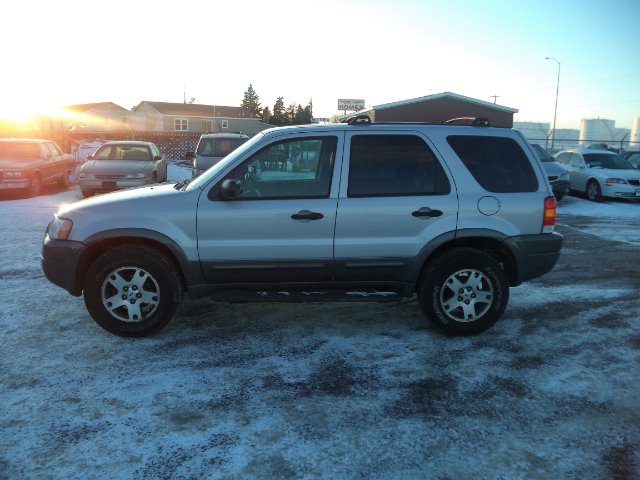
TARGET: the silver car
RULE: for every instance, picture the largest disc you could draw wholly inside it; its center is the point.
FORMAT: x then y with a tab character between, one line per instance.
600	174
120	165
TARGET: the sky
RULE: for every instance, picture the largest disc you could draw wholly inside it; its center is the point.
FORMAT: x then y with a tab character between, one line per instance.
71	52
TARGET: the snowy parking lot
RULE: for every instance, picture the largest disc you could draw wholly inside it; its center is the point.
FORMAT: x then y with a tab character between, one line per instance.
343	390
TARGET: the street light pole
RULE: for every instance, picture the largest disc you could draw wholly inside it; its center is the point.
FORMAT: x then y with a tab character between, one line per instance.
555	110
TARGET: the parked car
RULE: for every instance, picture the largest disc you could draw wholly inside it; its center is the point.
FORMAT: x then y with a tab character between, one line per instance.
122	164
453	214
558	177
211	148
633	158
27	164
600	174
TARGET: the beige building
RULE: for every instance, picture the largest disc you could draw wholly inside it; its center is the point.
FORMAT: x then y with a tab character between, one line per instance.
194	118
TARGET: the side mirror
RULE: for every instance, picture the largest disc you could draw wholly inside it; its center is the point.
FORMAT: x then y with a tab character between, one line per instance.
230	189
90	157
157	157
189	156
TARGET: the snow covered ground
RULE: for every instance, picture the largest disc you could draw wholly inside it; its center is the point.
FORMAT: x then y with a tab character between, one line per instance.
328	390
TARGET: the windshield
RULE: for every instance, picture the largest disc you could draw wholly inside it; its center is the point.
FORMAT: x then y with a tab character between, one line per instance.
203	179
603	160
218	147
19	150
123	152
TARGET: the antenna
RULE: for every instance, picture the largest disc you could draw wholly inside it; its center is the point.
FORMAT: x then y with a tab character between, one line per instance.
495	98
184	93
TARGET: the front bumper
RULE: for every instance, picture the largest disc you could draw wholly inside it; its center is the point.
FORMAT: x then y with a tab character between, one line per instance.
619	190
103	186
61	262
534	255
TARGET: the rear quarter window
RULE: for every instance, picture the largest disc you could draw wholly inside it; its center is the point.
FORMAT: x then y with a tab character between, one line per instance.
497	163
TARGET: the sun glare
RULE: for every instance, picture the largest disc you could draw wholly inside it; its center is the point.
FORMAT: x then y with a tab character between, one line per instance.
24	113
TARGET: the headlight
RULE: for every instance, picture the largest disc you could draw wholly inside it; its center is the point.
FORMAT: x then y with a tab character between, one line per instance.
14	174
59	228
611	181
85	175
135	175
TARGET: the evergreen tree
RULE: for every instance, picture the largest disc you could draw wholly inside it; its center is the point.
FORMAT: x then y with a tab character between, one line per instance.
278	115
300	116
290	114
266	115
308	112
251	101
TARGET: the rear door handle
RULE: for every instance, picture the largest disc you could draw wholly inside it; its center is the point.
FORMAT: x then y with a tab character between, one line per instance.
307	215
427	212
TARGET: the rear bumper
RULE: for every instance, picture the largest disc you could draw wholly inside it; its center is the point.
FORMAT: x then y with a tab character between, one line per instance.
534	255
60	260
561	187
14	184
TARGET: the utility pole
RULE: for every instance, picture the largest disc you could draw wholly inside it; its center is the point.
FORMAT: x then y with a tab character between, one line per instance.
555	110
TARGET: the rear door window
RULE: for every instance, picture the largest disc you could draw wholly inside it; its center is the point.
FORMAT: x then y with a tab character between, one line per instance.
497	163
394	165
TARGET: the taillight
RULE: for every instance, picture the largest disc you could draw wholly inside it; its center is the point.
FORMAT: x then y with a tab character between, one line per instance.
549	219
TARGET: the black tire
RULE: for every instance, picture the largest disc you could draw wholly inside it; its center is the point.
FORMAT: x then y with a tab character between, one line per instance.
132	290
463	291
64	181
35	185
594	192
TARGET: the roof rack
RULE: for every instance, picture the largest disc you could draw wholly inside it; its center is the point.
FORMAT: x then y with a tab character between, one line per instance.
361	119
472	121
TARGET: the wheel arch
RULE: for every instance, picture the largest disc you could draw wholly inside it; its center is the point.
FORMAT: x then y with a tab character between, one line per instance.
189	272
592	179
489	242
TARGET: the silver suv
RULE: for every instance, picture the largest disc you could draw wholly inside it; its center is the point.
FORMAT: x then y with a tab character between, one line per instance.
358	211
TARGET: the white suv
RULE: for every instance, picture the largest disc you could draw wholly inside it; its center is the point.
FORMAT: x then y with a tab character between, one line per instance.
453	214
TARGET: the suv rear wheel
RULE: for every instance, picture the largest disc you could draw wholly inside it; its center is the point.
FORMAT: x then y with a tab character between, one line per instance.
463	292
132	291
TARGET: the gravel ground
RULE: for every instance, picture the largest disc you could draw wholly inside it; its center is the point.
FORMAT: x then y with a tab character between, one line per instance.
343	390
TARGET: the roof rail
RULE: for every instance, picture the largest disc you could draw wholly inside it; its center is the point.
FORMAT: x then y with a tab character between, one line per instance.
472	121
361	119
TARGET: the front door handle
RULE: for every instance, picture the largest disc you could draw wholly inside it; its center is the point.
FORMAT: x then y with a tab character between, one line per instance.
427	212
307	215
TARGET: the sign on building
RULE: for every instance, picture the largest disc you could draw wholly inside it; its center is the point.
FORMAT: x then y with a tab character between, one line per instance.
350	104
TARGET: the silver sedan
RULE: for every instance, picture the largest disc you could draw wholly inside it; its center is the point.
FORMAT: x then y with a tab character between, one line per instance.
120	165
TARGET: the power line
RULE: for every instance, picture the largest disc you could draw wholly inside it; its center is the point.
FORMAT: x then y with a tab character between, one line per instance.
621	102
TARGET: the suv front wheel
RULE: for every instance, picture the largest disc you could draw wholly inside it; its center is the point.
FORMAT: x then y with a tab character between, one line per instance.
132	290
463	292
